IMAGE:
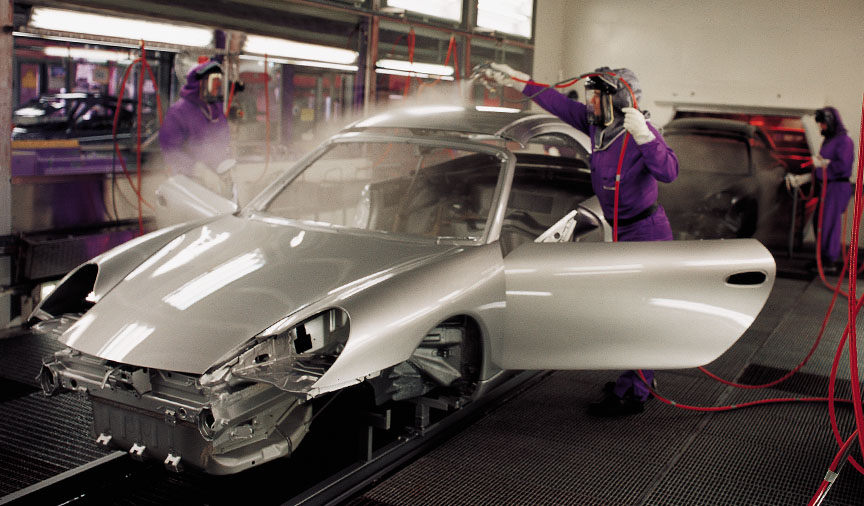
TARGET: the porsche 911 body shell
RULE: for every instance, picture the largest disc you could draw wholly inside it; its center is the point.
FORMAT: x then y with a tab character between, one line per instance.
218	302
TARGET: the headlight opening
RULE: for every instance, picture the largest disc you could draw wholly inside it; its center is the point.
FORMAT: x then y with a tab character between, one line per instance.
295	359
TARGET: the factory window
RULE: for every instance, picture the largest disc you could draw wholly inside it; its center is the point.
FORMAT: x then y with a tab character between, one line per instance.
485	50
416	63
445	9
508	16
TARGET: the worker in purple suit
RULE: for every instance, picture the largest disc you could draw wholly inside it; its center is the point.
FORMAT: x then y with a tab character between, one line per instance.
194	136
647	159
834	163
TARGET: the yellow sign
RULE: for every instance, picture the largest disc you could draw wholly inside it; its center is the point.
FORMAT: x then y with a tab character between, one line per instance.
36	144
30	79
307	114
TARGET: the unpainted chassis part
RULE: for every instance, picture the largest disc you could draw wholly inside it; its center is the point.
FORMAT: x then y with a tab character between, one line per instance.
236	425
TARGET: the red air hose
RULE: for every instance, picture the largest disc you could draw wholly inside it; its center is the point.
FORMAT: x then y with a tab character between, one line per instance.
451	49
136	187
230	98
841	455
138	140
800	364
853	310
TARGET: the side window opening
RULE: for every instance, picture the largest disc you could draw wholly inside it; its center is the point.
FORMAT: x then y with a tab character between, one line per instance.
545	189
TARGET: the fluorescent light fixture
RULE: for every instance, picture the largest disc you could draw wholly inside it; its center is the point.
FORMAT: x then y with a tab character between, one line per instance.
434	109
302	63
291	49
33	112
422	68
508	16
486	108
446	9
87	54
110	26
412	74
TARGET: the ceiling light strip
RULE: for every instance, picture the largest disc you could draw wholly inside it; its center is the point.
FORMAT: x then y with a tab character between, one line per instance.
301	63
83	38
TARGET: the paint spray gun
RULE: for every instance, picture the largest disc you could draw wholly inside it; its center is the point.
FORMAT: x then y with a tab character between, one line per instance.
478	74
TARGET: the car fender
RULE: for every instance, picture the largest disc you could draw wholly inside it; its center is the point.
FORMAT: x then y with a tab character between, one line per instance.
114	265
390	318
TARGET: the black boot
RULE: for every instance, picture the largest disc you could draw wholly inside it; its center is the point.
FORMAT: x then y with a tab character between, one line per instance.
611	405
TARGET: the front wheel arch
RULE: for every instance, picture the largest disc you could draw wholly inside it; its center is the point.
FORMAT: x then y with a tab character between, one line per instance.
448	359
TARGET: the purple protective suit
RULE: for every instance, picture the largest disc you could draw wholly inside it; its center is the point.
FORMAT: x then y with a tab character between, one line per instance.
643	166
194	131
838	148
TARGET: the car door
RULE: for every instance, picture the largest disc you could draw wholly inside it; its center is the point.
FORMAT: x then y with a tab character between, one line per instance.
671	304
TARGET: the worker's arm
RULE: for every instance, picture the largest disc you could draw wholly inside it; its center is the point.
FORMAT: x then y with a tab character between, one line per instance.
659	158
572	112
840	165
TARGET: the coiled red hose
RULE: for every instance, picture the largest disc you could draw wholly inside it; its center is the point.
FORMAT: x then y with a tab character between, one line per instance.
136	187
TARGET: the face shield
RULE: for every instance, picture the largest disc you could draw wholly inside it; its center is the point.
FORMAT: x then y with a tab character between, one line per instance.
599	91
211	88
210	77
827	122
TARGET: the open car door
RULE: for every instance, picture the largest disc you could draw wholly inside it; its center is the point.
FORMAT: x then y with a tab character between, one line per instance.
182	199
630	305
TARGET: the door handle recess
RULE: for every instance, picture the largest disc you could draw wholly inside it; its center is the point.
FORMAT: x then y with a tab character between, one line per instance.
749	278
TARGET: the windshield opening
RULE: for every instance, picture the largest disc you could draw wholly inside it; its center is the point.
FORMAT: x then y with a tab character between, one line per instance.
422	190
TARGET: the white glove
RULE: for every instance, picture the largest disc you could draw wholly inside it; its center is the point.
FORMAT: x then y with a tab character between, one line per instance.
820	162
503	74
634	122
794	181
225	166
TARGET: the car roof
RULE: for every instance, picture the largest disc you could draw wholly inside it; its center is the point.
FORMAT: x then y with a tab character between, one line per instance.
718	125
511	124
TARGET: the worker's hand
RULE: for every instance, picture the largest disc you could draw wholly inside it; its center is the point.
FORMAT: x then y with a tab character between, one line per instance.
796	180
634	122
820	162
504	74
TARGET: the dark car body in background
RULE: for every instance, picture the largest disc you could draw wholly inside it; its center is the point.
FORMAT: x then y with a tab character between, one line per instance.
79	116
730	182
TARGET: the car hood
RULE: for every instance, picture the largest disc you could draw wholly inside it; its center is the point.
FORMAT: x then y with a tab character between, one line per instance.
217	285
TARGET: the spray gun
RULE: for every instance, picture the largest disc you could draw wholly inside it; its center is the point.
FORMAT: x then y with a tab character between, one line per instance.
478	73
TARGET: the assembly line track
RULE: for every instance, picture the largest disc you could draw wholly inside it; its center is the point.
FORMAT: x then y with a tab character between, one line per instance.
86	484
340	487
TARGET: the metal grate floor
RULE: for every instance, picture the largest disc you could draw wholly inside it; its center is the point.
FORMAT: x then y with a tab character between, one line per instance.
40	437
541	448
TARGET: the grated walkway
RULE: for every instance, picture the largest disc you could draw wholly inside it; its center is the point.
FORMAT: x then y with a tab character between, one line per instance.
542	448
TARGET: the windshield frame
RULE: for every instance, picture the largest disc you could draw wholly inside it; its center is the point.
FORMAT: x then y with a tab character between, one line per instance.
491	231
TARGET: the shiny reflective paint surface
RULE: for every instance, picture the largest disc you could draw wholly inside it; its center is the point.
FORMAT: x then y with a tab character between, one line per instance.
215	286
630	305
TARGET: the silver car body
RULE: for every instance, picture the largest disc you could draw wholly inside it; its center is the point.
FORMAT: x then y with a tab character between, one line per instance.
211	339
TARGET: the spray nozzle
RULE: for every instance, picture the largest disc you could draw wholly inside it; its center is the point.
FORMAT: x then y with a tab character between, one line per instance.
478	73
479	70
